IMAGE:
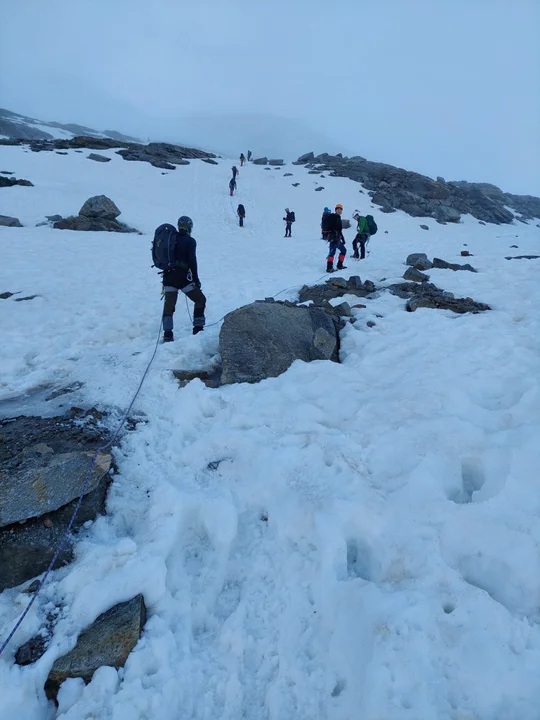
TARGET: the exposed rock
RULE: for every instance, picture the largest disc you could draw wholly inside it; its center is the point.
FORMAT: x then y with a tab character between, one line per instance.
429	295
398	189
6	295
210	161
100	206
343	309
419	261
318	189
31	650
370	323
211	377
261	161
415	275
53	218
424	227
287	174
275	162
108	641
263	339
6	172
443	265
27	297
334	288
295	184
7	221
98	158
346	224
465	253
10	182
79	222
59	152
522	257
308	157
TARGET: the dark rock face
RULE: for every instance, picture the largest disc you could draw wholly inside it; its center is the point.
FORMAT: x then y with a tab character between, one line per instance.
419	261
100	206
261	161
263	339
108	641
419	196
443	265
98	158
522	257
427	295
415	275
7	221
44	463
334	288
10	182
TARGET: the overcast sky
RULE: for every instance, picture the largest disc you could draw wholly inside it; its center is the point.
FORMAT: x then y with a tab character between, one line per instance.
444	87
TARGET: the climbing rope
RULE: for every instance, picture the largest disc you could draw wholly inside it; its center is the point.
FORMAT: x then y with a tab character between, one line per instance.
63	539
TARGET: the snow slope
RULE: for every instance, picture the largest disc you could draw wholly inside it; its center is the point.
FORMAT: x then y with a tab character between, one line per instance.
368	545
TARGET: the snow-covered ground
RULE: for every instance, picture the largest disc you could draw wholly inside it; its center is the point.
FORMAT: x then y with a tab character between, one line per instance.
368	546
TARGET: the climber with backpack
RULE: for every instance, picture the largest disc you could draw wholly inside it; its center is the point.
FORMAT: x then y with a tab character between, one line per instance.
232	186
234	172
366	227
242	159
174	253
241	212
334	229
289	219
249	155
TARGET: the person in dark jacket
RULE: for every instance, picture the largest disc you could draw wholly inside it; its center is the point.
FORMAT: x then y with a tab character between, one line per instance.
234	172
241	212
185	277
232	186
242	159
336	240
289	219
249	155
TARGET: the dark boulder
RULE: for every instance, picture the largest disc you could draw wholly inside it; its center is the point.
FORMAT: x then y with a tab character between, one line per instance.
7	221
261	161
415	275
100	206
263	339
443	265
10	182
98	158
107	642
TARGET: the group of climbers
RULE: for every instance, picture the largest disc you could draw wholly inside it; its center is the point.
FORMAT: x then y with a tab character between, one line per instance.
174	254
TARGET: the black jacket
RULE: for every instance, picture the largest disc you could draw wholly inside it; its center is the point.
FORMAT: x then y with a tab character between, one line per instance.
289	218
334	226
186	256
241	211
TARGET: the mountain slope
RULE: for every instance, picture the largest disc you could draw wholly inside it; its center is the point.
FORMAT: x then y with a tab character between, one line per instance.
346	540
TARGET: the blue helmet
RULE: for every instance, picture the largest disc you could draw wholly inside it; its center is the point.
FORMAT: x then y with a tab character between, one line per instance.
326	210
185	223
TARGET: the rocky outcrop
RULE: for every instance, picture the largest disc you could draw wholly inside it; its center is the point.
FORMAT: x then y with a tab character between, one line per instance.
10	182
419	196
263	339
98	213
107	642
98	158
427	295
44	464
276	162
261	161
7	221
415	275
161	155
444	265
335	287
419	261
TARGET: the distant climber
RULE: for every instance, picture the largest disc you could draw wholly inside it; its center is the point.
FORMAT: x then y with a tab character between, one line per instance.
242	159
289	219
249	155
336	240
324	223
234	172
366	227
241	212
175	253
232	186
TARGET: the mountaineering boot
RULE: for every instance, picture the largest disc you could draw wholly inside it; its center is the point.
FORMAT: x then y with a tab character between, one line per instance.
197	329
329	267
168	336
341	266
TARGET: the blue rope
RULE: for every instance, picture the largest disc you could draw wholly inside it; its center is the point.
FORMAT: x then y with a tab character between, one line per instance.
83	492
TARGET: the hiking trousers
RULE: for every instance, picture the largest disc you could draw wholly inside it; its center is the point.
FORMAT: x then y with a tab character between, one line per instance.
180	279
241	220
361	239
336	243
288	227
